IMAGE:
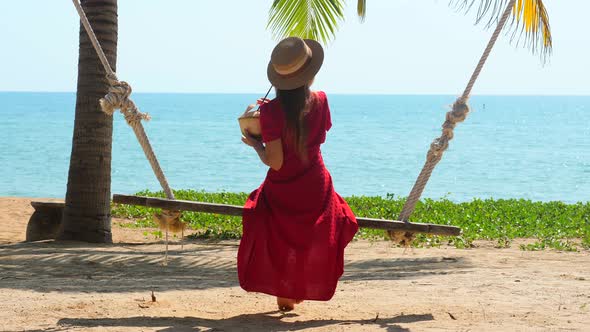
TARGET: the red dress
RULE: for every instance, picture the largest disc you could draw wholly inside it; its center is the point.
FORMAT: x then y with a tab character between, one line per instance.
295	226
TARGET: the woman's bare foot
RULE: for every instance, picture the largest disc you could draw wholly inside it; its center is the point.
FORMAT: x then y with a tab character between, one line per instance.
286	304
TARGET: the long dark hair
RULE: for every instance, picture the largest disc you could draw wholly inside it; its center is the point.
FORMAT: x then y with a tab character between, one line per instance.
294	103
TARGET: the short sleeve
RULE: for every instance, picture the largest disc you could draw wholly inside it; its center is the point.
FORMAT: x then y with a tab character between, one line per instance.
271	122
326	108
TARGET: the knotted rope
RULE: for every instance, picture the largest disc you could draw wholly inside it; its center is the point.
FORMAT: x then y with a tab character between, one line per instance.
118	98
458	113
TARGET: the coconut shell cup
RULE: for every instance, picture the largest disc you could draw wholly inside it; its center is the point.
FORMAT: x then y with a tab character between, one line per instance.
250	123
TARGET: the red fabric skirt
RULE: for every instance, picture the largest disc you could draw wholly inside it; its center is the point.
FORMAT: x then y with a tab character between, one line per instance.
294	234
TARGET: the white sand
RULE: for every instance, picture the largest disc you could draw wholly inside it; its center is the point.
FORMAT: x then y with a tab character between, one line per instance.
52	286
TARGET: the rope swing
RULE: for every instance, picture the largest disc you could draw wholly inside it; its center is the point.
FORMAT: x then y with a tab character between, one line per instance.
458	113
402	231
118	99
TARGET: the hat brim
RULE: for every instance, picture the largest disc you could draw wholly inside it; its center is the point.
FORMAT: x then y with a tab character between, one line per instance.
303	77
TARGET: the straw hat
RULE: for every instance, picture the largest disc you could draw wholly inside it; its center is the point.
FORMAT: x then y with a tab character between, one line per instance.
294	62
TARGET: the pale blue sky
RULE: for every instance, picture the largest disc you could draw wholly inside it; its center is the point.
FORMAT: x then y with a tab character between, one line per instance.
404	47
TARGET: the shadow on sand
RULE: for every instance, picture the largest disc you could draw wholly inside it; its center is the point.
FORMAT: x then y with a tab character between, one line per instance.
74	267
269	321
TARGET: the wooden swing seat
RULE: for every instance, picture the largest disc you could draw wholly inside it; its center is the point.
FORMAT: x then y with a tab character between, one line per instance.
234	210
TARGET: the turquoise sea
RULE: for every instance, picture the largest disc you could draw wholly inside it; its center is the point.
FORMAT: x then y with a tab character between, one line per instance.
533	147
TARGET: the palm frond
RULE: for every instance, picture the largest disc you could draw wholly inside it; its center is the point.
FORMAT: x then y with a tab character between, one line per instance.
361	9
313	19
529	24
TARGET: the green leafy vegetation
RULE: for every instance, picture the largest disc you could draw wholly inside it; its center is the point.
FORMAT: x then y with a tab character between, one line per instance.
555	225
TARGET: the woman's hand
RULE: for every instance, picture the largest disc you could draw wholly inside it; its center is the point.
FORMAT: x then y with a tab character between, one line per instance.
252	141
249	108
261	101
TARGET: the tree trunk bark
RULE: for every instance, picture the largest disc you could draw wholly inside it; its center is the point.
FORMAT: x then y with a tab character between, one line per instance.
87	212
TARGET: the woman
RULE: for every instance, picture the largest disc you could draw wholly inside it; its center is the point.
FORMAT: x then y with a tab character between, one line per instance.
295	226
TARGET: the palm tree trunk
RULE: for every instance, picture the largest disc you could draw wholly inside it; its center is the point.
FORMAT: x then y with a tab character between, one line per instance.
87	213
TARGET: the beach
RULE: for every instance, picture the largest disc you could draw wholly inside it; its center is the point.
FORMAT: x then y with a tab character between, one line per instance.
465	116
509	150
53	286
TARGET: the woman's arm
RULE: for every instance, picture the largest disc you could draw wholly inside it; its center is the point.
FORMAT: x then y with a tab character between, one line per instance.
271	154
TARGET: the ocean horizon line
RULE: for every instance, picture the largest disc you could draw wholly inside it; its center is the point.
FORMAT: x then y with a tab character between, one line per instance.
331	93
